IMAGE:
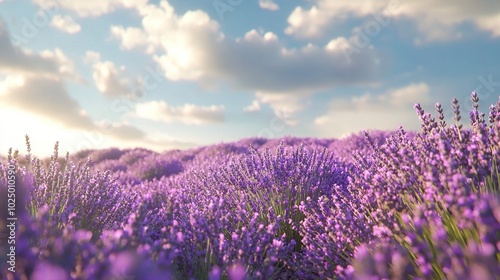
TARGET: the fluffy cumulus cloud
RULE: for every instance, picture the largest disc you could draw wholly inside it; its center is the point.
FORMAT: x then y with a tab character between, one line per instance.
192	47
384	111
132	38
66	24
254	107
108	78
186	114
268	5
89	8
438	23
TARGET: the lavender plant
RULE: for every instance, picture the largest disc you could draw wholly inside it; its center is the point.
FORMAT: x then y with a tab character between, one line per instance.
375	205
94	199
447	221
274	186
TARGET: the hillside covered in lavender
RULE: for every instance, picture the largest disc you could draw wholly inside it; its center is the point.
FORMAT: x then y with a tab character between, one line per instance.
375	205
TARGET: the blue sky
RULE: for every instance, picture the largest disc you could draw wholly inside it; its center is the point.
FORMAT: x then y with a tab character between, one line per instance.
178	74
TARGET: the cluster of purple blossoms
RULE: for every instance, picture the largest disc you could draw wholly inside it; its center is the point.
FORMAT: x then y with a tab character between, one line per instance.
375	205
433	200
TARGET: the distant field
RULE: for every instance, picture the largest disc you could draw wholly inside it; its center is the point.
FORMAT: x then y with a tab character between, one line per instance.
374	205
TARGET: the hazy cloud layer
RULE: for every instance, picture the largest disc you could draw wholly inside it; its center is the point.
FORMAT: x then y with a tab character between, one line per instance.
386	111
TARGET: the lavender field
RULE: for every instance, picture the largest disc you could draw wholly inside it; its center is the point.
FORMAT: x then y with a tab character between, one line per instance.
375	205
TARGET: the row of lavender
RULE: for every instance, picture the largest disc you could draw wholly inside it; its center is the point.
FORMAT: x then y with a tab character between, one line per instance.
391	205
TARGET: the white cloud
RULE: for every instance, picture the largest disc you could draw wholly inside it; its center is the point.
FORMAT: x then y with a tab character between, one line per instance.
11	81
160	142
187	43
43	132
90	8
386	111
187	114
36	83
66	24
107	77
268	5
254	107
132	38
65	66
284	104
125	131
439	23
53	64
34	95
50	100
491	23
310	23
92	57
44	97
191	47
